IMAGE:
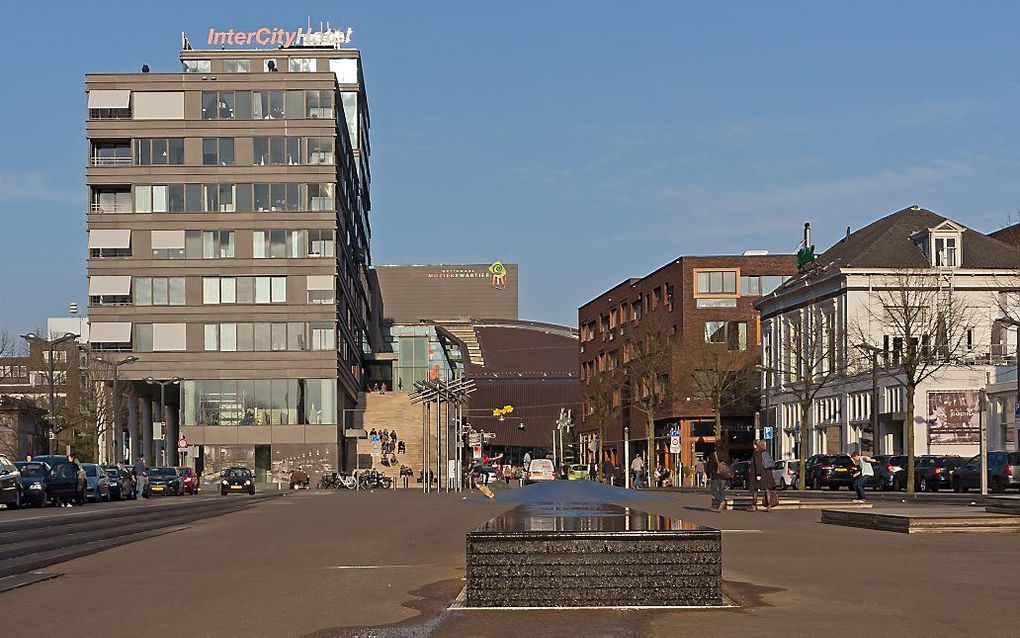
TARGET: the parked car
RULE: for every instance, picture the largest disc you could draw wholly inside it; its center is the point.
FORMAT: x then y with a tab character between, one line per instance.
829	470
35	480
10	484
237	480
1003	472
739	480
577	472
122	484
892	468
97	483
189	480
67	481
933	472
785	473
161	481
540	470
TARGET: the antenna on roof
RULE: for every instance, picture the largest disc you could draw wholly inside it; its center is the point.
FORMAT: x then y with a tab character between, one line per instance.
847	234
185	43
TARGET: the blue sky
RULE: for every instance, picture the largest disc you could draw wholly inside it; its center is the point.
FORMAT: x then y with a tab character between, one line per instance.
588	141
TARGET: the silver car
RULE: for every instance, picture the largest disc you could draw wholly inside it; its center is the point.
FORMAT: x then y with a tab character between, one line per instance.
785	473
97	483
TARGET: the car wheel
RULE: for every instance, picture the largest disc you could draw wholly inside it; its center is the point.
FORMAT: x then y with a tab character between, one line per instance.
816	484
16	504
997	486
223	492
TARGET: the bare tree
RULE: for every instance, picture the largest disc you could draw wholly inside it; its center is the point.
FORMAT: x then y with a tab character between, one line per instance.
923	329
724	380
649	354
602	404
805	363
85	409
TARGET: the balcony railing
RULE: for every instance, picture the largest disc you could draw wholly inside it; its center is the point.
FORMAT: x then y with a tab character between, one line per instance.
97	160
97	207
109	114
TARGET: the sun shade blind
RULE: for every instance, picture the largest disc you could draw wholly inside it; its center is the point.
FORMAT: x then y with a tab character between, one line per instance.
109	239
109	285
100	99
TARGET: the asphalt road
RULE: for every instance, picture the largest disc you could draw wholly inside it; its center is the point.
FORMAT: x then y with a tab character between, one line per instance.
388	564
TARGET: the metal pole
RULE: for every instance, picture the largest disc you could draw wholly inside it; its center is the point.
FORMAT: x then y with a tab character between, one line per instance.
118	433
875	438
424	447
162	418
439	437
984	444
1016	424
52	434
626	458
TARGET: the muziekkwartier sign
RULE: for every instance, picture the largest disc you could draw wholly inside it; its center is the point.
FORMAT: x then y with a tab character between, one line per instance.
498	272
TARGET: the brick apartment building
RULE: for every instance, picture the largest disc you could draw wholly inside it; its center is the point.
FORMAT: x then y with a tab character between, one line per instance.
703	306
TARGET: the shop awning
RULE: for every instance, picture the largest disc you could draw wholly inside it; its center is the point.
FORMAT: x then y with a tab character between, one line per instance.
114	332
109	99
109	285
109	239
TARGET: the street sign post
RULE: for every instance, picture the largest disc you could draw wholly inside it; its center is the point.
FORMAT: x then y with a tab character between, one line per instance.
674	444
182	444
767	433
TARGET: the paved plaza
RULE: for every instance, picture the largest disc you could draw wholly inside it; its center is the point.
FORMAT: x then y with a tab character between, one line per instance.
390	563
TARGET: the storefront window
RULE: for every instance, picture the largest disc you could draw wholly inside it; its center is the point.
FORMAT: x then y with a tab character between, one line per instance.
259	402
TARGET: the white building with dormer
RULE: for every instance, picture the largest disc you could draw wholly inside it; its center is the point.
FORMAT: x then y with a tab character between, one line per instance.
840	299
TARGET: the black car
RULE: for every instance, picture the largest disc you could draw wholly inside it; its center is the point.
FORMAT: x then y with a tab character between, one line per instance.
35	482
67	482
829	470
10	484
933	472
237	480
739	480
160	481
122	484
1003	472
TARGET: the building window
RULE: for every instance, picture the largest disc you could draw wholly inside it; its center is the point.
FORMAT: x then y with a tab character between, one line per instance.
159	151
258	402
716	282
143	337
946	254
320	243
237	66
715	303
197	66
732	333
218	151
320	296
159	291
750	286
301	65
319	105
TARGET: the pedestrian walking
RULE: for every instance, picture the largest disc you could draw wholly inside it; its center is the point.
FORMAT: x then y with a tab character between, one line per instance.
593	471
863	475
699	472
719	474
637	467
139	473
760	478
608	472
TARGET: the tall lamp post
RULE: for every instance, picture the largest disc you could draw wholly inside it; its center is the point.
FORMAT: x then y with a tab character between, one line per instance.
874	351
162	407
118	431
31	337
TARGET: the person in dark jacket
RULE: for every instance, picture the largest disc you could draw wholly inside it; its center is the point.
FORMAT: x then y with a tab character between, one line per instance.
759	476
716	482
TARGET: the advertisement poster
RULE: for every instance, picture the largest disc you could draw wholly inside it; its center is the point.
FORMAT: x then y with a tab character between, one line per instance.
953	417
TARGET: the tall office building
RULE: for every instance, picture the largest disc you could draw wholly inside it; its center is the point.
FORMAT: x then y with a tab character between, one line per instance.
228	247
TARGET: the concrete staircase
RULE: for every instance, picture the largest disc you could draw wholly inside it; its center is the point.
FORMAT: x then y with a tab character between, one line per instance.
394	411
465	331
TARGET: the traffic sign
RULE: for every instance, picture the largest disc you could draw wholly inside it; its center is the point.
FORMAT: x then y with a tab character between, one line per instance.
767	433
674	444
476	451
182	444
674	432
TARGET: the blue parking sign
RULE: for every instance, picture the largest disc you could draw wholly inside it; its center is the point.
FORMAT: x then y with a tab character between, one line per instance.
766	433
1016	411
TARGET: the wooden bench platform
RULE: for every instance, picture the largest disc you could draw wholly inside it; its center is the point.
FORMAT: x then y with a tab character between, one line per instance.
924	520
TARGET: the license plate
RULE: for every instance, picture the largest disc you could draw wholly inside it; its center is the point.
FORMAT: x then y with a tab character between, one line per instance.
235	487
157	489
841	469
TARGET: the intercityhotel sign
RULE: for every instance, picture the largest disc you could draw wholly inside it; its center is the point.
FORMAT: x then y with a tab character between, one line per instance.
276	36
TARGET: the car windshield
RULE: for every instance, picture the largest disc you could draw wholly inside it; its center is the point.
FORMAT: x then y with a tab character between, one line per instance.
91	471
541	465
32	470
185	471
899	461
111	472
237	473
161	472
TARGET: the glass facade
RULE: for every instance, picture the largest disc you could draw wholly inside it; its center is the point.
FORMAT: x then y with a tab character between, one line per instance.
259	402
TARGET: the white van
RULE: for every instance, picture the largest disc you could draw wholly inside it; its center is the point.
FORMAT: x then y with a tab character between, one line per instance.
540	470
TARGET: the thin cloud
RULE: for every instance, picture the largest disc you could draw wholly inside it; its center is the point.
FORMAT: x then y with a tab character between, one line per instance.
33	186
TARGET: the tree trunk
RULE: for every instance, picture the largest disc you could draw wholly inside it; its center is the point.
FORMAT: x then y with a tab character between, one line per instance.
650	456
909	423
599	457
802	461
718	424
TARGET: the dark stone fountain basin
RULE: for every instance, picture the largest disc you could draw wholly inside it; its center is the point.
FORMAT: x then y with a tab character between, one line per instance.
585	555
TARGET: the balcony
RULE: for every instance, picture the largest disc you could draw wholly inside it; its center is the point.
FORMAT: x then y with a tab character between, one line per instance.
111	200
110	153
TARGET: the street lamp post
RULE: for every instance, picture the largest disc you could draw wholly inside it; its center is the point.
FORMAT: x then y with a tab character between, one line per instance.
626	457
50	343
162	408
118	431
874	351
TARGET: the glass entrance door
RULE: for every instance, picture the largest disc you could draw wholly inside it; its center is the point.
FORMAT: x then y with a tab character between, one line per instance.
263	463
